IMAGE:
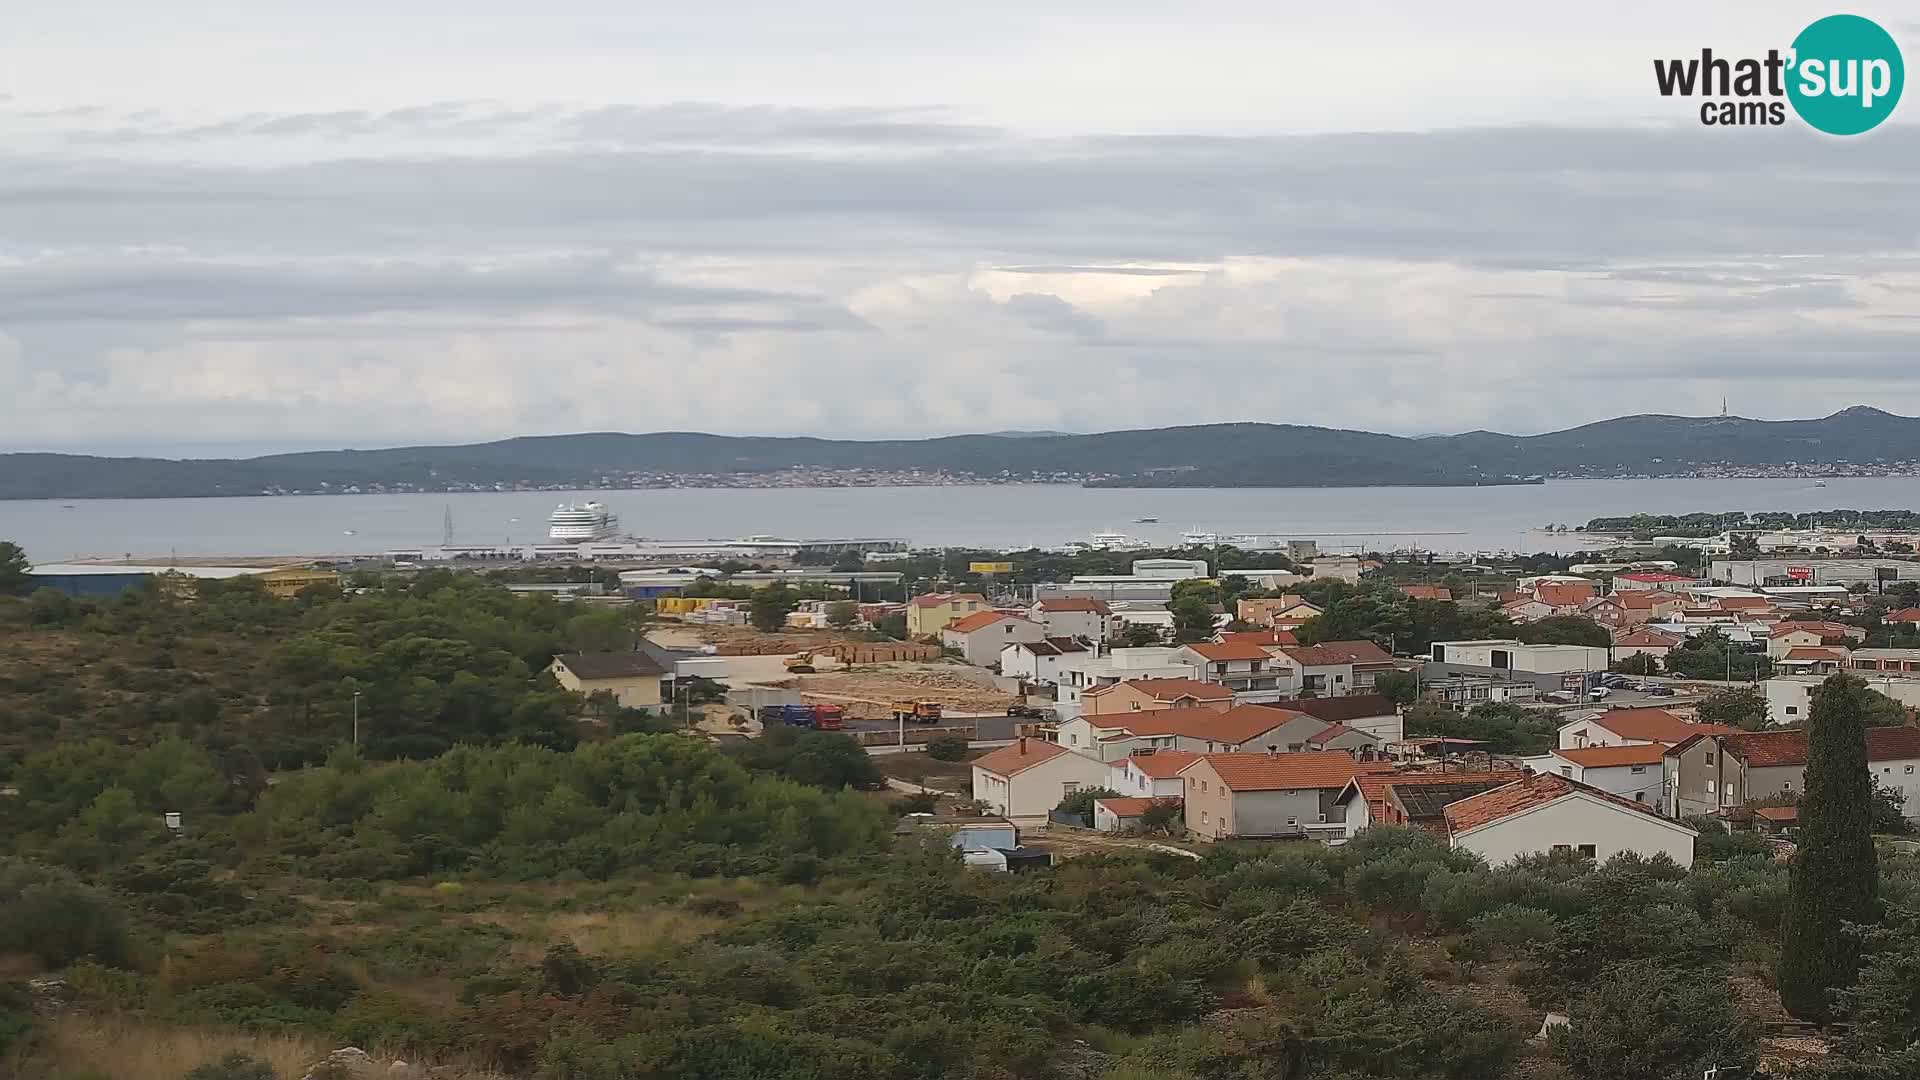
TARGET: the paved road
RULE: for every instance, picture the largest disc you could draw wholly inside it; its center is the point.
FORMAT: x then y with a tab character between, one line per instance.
991	726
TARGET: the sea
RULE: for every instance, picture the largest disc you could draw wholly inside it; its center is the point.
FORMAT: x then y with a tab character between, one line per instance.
1442	520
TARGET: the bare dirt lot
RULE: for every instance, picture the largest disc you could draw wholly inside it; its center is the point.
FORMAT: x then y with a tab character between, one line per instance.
871	689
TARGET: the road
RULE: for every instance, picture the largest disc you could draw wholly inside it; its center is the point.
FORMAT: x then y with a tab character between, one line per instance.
988	727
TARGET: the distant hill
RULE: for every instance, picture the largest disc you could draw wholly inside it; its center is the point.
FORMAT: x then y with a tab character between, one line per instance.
1207	455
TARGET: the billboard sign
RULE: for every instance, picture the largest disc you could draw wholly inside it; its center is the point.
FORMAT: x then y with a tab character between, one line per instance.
990	568
1800	573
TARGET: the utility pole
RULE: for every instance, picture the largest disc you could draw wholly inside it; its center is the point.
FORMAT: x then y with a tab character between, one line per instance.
356	719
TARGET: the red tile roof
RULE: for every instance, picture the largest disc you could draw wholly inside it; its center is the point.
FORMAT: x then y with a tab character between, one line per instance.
1563	594
1816	653
1163	764
1318	655
1728	603
1761	749
1359	652
1074	603
1905	614
1536	790
1645	636
1053	646
1600	757
1281	772
1168	689
979	620
1258	637
1427	592
1220	653
937	599
1021	755
1777	813
1893	743
1234	726
1124	807
1332	732
1339	710
1654	725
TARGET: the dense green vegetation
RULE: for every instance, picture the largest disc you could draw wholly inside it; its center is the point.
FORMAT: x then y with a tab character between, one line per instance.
1381	613
1647	526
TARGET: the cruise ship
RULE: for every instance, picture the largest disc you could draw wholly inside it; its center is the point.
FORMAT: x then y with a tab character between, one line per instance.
580	523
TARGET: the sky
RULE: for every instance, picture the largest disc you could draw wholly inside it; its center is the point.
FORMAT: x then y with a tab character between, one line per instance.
235	227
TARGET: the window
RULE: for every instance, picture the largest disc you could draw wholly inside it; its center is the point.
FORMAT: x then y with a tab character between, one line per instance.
1909	770
1203	787
1073	740
1566	771
1070	788
1709	787
1587	851
1323	819
1639	796
1637	769
1293	823
1792	709
1558	848
1786	785
1709	757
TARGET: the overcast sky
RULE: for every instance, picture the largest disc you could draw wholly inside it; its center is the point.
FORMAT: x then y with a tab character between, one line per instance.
228	227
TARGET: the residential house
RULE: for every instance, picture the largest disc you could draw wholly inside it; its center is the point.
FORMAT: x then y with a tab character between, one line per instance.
633	678
1715	772
1548	812
1650	581
1265	578
1266	795
1347	568
1370	713
1812	660
1525	610
980	637
1294	616
1798	634
1266	639
1631	727
1906	616
929	614
1415	799
1789	697
1113	814
1252	672
1039	661
1902	661
1324	672
1426	592
1466	691
1494	655
1607	611
1564	597
1284	612
1635	771
1116	666
1150	773
1029	777
1082	617
1364	657
1644	641
1250	728
1148	695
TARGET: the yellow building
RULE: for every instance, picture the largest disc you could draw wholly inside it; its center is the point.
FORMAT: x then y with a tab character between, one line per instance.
285	582
633	678
928	615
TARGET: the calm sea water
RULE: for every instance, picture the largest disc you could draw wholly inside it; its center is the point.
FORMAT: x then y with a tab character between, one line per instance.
1437	519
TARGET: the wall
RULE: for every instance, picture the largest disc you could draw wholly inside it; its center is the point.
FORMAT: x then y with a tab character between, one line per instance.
1687	775
1074	624
1621	780
634	692
1574	820
1266	813
1903	776
1033	791
981	648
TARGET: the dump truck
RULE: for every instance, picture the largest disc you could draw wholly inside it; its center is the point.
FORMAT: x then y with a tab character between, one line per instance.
917	712
829	717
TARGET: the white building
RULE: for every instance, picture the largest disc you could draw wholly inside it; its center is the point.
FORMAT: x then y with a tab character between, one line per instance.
1153	774
1342	567
1790	697
1548	812
1074	617
1632	772
1507	654
1081	673
980	637
1170	569
1040	661
1029	777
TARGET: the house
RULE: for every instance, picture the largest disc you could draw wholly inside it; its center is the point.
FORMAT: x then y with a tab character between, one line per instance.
1416	799
1258	577
1265	795
1150	773
1029	777
929	614
1249	670
1644	641
1812	660
1039	661
1606	611
1370	713
1147	695
1650	581
1903	661
1366	659
1324	672
980	637
1548	812
1906	616
1202	731
633	678
1564	597
1080	617
1713	773
1345	568
1088	672
1632	727
1266	639
1491	655
964	833
1283	612
1466	691
1427	592
1113	814
1635	771
1791	635
1525	610
1341	737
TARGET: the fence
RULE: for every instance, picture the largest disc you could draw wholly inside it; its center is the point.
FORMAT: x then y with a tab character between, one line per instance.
915	735
881	653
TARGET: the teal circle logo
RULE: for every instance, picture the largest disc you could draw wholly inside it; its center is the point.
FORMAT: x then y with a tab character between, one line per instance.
1847	75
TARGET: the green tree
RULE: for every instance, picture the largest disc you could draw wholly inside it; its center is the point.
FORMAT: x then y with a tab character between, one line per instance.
1890	810
1744	707
1744	547
1138	636
13	569
1081	801
842	614
1161	816
947	748
1565	630
893	626
1192	620
1883	711
769	607
1644	1020
605	630
111	830
1399	687
1637	664
1835	878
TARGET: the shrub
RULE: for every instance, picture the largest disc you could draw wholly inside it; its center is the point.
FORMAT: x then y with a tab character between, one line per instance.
51	915
234	1066
947	748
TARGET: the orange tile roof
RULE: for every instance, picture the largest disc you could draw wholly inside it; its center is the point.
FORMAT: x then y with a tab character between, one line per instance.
1905	614
1282	772
1163	764
1815	653
1893	743
1332	732
1563	594
1074	603
937	599
1126	807
1318	655
1221	653
1777	813
1824	629
1168	689
980	620
1536	790
1427	592
1600	757
1021	755
1258	637
1654	725
1741	602
1360	651
1645	636
1234	726
1762	749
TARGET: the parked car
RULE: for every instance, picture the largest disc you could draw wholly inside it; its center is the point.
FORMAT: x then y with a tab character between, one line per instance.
1599	693
1659	691
1615	682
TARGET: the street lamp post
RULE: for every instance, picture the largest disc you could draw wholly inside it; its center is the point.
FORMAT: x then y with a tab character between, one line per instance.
356	718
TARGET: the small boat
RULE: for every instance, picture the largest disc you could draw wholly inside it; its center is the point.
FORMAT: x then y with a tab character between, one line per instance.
1146	521
1819	483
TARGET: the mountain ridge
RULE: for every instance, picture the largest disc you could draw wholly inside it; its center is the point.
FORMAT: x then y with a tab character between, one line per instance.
1230	454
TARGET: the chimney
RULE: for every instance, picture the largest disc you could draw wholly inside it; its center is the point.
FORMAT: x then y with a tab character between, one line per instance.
1023	746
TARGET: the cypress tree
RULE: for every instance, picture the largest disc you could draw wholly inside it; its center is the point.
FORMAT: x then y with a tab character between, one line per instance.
1835	878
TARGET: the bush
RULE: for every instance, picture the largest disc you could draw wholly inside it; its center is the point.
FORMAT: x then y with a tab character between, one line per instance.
1648	1021
51	915
947	748
234	1066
